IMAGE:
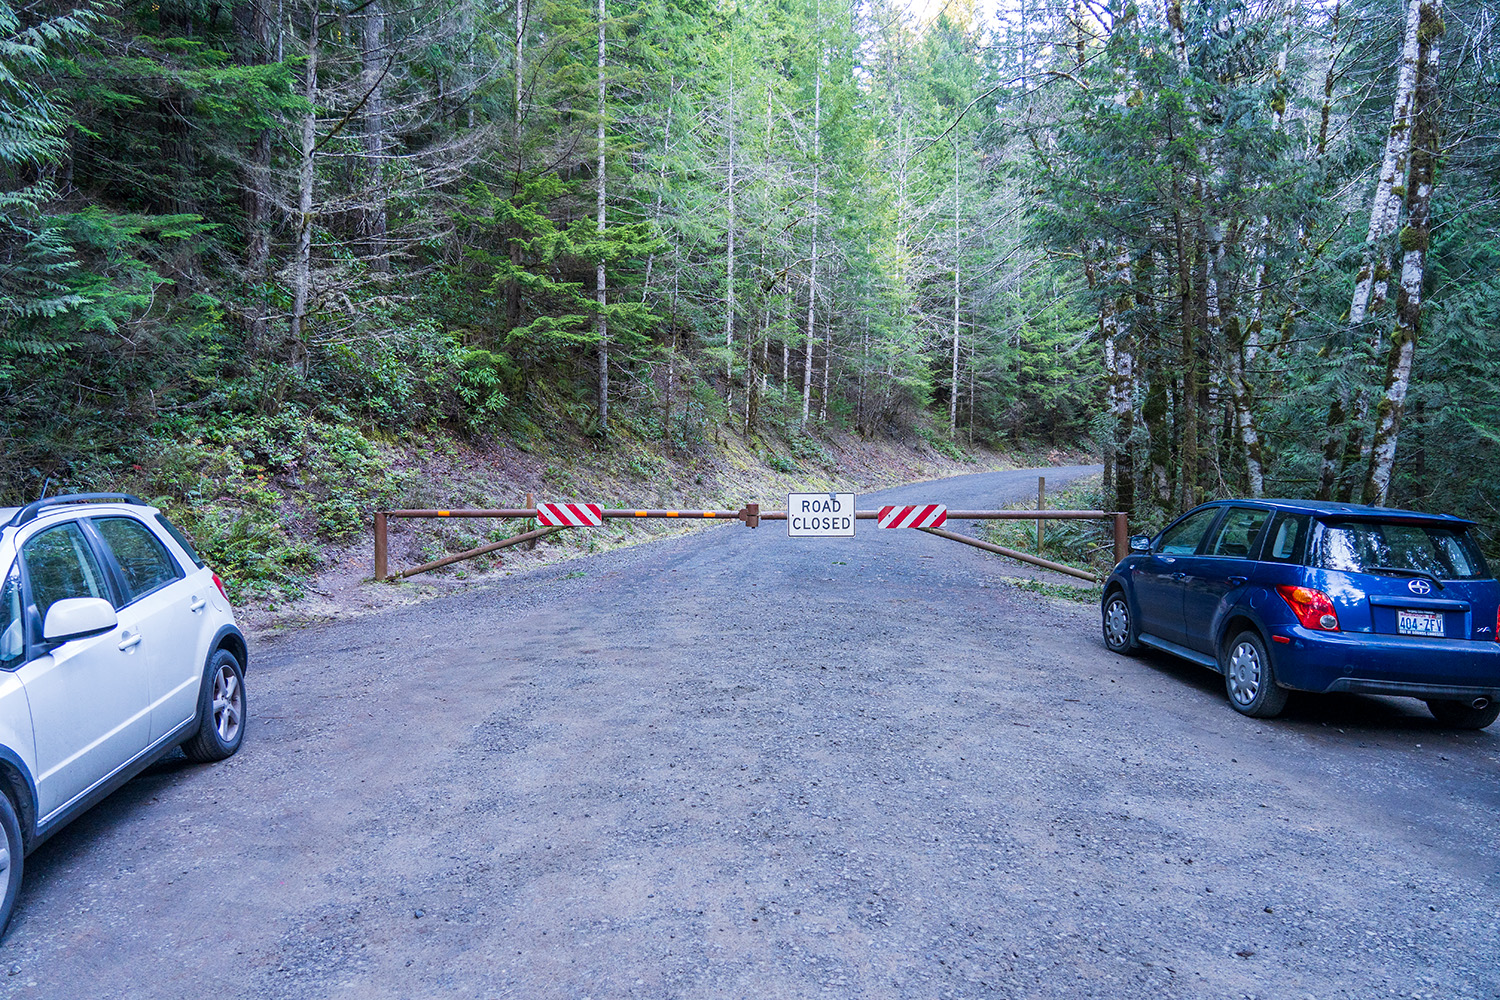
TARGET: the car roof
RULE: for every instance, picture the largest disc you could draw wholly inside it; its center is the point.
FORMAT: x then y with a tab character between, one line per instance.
16	516
1326	508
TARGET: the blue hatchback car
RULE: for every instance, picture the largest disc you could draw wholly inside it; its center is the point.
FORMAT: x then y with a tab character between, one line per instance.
1282	595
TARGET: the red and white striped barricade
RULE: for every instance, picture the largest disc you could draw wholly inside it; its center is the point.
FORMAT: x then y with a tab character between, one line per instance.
569	515
932	515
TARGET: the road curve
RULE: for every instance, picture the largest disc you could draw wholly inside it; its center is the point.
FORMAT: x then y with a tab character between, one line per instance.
734	764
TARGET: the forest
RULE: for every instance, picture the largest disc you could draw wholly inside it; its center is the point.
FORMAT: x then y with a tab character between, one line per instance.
1241	248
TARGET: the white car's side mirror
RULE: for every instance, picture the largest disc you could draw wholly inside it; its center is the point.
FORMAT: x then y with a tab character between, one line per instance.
76	617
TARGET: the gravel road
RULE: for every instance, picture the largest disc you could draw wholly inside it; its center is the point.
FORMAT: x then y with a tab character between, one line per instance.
734	764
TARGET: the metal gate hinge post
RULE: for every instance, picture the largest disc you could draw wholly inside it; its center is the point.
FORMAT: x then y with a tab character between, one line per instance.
750	515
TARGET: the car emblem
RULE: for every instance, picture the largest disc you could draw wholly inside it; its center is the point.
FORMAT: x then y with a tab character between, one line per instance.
1419	587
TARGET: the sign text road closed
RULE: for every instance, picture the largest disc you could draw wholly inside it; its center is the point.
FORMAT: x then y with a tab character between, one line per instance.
820	515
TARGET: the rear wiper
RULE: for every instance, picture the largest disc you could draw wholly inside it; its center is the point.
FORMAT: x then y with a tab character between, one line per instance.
1403	571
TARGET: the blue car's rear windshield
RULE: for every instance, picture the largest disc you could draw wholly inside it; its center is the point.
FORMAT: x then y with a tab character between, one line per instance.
1446	552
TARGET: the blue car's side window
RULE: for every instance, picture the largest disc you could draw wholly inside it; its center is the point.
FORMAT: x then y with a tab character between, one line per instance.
1239	532
1182	538
1287	540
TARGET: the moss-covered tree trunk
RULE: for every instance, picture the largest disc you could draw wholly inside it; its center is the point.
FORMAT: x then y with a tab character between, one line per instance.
1415	238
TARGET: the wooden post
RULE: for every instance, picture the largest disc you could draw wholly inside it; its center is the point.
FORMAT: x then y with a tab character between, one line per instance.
1122	538
1041	504
380	545
530	505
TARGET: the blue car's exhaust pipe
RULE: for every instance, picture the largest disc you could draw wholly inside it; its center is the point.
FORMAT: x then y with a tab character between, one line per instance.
1481	703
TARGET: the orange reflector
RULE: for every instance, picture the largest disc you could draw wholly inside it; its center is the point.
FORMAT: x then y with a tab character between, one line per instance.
671	513
641	513
445	513
708	513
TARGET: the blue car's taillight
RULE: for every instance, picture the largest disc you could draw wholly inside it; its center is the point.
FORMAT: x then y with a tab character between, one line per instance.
1312	608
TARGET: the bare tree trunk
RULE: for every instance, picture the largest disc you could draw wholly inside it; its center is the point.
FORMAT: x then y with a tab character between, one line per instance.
518	93
254	42
729	270
1415	238
1179	37
1329	77
1385	206
372	81
302	269
827	361
1119	360
953	379
812	270
1371	282
661	183
666	424
601	322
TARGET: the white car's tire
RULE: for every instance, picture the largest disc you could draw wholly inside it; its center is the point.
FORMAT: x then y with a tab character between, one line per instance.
221	711
12	861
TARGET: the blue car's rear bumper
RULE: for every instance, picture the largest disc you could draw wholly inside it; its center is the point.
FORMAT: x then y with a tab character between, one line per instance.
1385	664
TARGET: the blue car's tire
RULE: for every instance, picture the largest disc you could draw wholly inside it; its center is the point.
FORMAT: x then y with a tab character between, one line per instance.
1249	678
1119	625
13	859
1462	714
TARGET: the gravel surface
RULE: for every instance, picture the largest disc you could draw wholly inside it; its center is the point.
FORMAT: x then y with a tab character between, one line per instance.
735	764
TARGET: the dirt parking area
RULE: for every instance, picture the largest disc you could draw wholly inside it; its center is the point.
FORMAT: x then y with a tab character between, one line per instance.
735	764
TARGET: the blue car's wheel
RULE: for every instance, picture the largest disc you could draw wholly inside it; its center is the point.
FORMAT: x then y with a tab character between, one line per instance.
1249	679
1462	714
1119	627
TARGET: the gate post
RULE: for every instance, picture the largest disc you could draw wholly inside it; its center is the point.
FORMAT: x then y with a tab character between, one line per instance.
380	545
1122	538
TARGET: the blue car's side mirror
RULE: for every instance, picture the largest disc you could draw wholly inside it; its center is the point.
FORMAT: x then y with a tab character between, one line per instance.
1140	543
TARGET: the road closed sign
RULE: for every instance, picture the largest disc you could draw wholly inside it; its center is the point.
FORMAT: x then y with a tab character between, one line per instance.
820	515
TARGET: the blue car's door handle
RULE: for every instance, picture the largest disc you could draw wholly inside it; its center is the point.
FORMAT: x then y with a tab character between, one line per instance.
1239	580
1179	575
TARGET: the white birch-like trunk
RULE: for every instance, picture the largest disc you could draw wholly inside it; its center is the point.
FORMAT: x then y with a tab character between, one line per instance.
1385	206
1414	242
601	322
812	268
518	69
953	379
372	80
1370	286
302	269
729	263
1179	35
661	184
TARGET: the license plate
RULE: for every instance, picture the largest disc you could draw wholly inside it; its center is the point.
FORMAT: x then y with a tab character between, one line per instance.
1419	623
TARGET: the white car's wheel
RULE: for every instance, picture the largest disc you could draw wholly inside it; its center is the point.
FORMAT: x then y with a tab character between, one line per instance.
12	859
221	709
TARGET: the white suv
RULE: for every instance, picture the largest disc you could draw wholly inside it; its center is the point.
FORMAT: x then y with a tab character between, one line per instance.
117	645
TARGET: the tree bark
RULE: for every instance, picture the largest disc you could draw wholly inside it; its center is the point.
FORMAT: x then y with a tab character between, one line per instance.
812	268
601	322
729	263
253	48
518	93
372	55
1415	238
302	269
953	380
1336	476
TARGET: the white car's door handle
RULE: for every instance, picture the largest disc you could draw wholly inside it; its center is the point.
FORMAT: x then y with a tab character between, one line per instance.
130	642
198	604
